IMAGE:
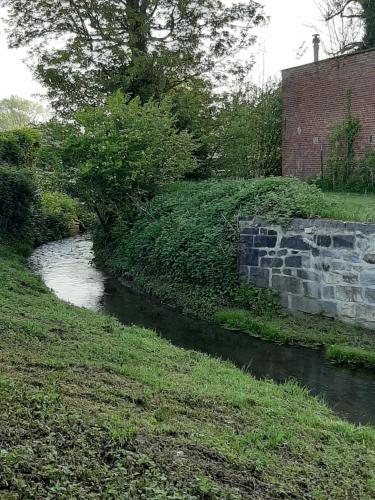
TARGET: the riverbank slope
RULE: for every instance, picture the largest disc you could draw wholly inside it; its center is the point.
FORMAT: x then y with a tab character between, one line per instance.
93	408
183	249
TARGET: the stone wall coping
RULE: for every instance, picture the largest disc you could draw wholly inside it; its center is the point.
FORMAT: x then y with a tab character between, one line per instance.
325	224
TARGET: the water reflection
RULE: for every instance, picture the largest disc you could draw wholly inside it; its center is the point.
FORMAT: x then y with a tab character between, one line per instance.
67	269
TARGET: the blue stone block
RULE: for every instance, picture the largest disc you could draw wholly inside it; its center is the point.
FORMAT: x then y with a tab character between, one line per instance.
293	261
344	241
295	243
265	241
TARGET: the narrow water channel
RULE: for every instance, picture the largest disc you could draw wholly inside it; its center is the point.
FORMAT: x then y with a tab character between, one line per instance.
66	267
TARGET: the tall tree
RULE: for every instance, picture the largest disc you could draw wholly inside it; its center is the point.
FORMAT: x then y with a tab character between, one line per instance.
246	140
16	112
351	24
369	21
85	49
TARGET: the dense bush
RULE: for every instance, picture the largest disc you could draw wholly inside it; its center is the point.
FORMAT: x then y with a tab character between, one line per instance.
360	180
19	147
17	183
363	180
24	214
16	200
54	217
58	158
195	109
29	218
189	235
121	151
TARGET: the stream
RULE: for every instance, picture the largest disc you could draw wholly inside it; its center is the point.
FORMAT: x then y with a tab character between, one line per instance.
66	268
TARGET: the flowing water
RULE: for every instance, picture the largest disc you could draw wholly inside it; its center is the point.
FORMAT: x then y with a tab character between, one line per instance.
66	267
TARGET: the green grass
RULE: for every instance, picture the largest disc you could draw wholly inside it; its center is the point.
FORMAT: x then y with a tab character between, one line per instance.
349	355
93	409
268	322
349	207
345	344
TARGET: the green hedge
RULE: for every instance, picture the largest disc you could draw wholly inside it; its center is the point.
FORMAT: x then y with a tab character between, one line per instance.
17	183
24	215
16	200
189	234
28	218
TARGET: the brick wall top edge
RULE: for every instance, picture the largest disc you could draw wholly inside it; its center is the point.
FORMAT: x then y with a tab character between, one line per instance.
327	62
328	224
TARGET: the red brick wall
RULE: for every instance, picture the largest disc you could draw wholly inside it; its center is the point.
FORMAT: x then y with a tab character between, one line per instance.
315	97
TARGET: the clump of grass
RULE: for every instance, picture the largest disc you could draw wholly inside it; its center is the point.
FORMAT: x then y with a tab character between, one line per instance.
352	356
243	321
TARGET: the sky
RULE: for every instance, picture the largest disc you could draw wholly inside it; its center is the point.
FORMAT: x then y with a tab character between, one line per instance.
292	24
277	48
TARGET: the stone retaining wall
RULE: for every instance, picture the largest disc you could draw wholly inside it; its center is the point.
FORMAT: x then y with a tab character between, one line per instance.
318	266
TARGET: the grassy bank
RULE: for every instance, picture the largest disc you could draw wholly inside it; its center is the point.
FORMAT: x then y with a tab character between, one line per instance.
93	409
349	207
344	344
183	249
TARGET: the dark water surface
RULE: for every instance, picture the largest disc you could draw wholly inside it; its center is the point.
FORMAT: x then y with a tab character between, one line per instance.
66	268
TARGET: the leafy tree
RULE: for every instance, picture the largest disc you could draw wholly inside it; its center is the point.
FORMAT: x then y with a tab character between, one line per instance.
58	157
195	108
124	152
16	113
54	217
19	147
351	24
247	137
85	49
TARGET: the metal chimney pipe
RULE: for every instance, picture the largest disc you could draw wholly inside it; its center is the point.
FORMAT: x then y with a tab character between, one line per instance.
316	42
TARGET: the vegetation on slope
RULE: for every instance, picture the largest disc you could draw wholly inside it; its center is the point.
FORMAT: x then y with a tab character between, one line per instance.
183	248
187	237
93	409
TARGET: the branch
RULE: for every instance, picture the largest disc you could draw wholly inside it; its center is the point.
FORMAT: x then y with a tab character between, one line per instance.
152	13
352	46
330	15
